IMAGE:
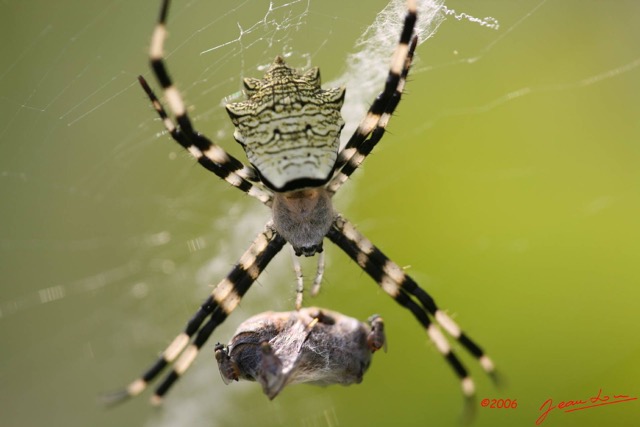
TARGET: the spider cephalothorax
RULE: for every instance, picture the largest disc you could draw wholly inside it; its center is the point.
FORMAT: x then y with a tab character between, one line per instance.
303	218
289	127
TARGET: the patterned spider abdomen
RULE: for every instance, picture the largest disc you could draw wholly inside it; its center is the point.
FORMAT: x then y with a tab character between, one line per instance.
289	127
312	345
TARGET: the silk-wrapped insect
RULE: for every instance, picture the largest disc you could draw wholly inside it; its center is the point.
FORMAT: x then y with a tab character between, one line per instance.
312	345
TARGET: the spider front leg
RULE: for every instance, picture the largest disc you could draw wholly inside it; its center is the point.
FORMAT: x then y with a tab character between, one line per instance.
406	292
224	298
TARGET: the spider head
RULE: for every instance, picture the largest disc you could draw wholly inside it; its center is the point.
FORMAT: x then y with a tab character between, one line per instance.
303	218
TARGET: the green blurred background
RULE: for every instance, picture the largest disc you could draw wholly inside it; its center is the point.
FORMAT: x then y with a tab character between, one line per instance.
508	184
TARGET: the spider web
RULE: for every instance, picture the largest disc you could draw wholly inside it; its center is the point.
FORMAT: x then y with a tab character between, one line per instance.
104	220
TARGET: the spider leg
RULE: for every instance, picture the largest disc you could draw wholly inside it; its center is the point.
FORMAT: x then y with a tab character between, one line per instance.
377	118
406	292
297	269
208	154
317	281
224	298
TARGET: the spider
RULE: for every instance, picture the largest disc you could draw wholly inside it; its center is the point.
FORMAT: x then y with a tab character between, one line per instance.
310	345
289	128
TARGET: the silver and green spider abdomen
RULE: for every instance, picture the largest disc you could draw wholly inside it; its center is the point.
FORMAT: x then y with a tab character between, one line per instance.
289	127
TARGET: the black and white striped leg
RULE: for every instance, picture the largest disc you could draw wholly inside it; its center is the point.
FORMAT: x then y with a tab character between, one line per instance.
358	147
353	156
407	293
224	298
208	154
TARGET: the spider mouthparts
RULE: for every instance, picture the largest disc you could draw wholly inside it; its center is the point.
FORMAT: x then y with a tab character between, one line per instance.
308	250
